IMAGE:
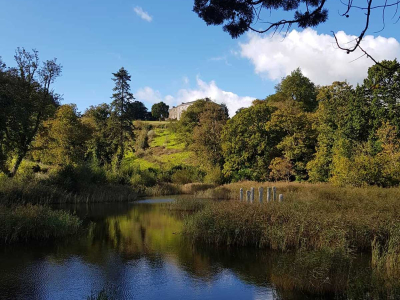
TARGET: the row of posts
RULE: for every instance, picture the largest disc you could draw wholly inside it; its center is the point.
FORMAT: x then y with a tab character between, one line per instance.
271	195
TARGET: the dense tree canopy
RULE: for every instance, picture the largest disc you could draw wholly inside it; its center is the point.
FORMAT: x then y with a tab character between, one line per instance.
26	100
136	110
104	140
338	133
62	140
160	111
247	146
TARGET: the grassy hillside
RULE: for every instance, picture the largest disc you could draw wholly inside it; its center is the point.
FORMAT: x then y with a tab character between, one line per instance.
163	151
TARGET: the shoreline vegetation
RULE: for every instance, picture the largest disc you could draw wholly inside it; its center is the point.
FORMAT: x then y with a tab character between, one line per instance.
25	223
325	226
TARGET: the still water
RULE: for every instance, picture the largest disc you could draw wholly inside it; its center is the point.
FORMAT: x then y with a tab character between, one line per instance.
137	251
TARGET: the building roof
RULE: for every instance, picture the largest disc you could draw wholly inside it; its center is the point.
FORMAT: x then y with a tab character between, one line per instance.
190	102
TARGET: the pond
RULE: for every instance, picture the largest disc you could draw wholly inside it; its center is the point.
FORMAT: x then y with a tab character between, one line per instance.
136	251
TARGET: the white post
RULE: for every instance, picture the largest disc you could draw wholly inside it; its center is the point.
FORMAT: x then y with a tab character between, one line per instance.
252	195
260	194
280	197
274	195
241	194
268	194
248	194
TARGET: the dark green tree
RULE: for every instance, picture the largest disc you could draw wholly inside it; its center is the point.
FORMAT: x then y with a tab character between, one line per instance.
298	88
63	138
247	146
160	111
136	110
380	92
103	144
26	100
207	134
122	98
191	117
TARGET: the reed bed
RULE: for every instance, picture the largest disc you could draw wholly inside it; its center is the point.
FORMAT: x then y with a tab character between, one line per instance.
313	217
36	192
25	223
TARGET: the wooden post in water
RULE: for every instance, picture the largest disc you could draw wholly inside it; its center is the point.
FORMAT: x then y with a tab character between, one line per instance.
241	194
280	197
274	195
248	195
268	194
252	194
260	194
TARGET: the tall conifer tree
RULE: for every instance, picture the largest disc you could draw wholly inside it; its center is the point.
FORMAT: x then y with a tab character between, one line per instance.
122	98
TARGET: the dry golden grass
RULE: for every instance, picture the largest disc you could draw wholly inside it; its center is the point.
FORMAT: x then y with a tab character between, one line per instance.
312	217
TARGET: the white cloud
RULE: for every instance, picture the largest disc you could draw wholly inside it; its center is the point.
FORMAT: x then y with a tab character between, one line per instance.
211	90
202	90
148	94
316	54
185	80
143	14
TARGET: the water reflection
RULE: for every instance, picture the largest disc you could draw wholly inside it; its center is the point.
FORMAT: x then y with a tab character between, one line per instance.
139	250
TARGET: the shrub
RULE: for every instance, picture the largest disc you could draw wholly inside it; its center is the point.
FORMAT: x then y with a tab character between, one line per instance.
142	141
214	176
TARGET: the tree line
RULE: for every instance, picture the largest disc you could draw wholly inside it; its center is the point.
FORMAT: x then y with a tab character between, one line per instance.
338	133
34	124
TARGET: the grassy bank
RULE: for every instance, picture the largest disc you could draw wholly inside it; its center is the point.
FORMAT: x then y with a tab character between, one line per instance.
35	222
312	217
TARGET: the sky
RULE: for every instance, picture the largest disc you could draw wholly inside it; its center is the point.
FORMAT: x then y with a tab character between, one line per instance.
173	56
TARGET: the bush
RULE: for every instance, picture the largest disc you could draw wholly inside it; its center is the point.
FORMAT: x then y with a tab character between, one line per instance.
142	141
184	175
214	176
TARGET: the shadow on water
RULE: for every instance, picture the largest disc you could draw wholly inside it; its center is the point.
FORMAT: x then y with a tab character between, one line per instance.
138	249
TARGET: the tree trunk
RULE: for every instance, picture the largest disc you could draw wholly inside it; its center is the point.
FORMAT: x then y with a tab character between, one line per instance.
14	170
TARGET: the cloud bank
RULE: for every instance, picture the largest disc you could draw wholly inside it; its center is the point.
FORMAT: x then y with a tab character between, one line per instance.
202	90
143	14
316	54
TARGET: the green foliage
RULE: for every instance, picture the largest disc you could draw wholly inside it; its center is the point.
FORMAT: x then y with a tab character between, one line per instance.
207	134
122	98
167	139
142	140
103	144
62	140
292	127
136	110
191	118
214	175
247	146
298	88
26	100
186	175
160	111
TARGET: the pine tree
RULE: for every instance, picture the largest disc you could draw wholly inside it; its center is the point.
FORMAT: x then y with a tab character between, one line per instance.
122	97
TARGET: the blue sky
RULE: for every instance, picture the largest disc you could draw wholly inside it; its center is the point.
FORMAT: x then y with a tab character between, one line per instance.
171	54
